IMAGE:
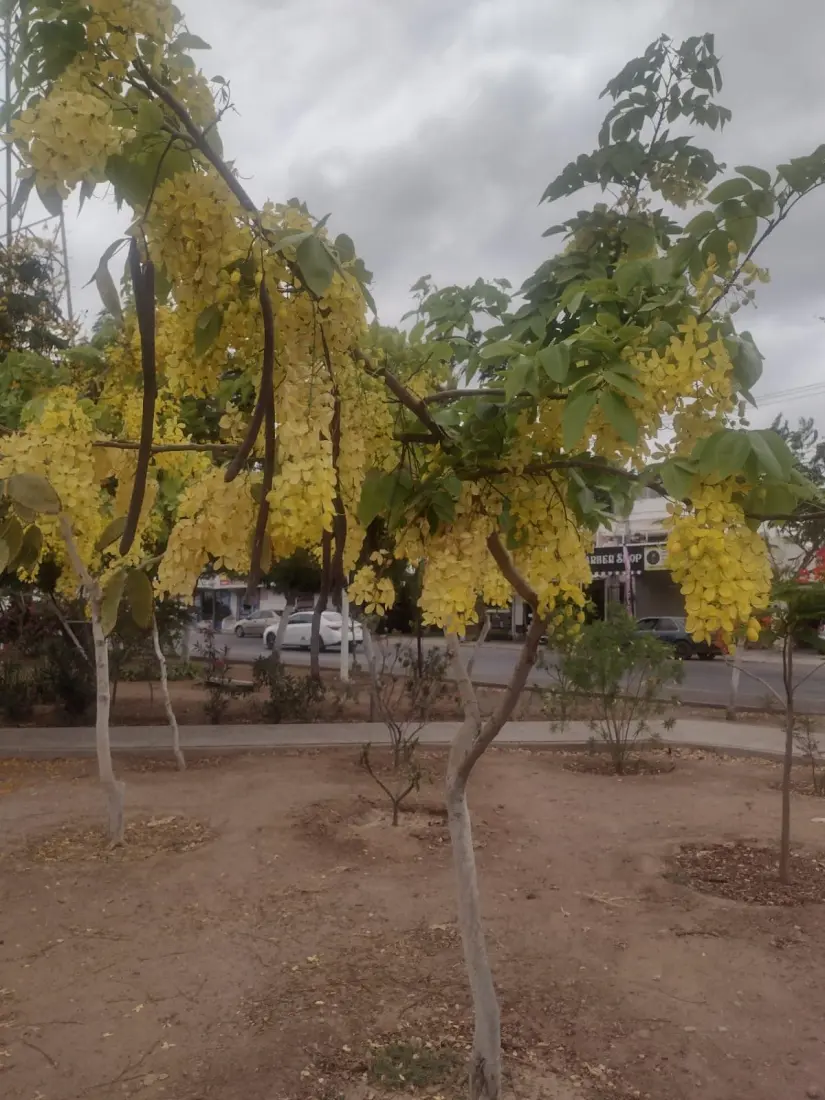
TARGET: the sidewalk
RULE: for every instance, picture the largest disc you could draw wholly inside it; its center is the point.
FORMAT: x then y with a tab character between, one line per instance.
722	736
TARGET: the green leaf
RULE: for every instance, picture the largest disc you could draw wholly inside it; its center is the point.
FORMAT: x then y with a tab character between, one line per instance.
742	227
376	495
140	597
110	604
555	362
315	264
207	329
520	376
773	500
702	224
345	247
12	535
716	243
111	533
764	455
187	41
105	283
149	118
729	456
500	349
756	175
33	492
21	194
730	189
761	203
630	274
617	412
781	451
574	418
30	548
623	383
677	478
640	240
51	199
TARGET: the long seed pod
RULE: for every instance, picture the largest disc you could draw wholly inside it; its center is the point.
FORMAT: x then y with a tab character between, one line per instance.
143	282
265	389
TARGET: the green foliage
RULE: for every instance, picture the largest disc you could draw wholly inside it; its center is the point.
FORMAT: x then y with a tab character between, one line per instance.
291	698
623	672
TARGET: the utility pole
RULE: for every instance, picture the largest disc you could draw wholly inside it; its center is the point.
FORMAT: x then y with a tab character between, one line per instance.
25	217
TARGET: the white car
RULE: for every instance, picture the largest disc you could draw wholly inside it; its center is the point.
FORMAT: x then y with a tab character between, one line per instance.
299	628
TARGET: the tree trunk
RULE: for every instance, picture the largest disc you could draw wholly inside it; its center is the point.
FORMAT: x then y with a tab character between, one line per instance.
485	1059
283	622
787	765
320	607
480	640
472	740
114	789
167	701
372	668
735	673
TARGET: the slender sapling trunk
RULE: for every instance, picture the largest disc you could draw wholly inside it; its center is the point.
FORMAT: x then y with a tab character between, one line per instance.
787	764
167	699
114	789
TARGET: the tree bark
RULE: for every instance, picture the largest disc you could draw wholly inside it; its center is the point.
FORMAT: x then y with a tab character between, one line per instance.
114	789
479	642
283	623
167	700
320	607
787	764
735	672
473	738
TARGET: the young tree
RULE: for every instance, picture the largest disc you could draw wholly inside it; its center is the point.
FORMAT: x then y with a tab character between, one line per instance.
489	465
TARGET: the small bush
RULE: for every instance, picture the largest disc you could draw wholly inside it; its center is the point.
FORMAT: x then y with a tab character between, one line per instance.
623	672
291	698
18	690
66	678
216	678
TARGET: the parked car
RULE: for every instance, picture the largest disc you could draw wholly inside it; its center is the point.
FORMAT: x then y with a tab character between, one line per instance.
299	629
254	624
671	629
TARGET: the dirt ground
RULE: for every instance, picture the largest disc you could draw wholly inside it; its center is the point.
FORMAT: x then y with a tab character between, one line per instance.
267	936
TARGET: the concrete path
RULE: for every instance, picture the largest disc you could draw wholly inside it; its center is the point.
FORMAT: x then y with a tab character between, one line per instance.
735	737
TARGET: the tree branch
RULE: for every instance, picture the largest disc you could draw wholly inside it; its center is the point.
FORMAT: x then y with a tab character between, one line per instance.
444	397
510	572
753	676
164	448
265	389
415	404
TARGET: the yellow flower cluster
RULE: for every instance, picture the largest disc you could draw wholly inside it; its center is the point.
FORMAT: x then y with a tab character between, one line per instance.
215	522
721	565
195	231
371	590
69	135
691	378
154	18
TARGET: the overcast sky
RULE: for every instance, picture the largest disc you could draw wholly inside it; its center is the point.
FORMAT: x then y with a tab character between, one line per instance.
429	129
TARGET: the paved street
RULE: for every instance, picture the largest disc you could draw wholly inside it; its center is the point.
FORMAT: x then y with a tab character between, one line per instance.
704	681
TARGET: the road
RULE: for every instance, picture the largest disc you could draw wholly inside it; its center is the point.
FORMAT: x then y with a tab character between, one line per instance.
704	681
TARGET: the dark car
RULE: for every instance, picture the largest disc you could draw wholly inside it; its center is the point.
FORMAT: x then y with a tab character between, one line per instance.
672	630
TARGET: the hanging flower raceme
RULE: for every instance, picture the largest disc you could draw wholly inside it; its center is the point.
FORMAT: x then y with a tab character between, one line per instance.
721	565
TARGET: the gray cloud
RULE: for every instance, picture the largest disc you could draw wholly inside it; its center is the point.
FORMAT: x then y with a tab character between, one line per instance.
429	128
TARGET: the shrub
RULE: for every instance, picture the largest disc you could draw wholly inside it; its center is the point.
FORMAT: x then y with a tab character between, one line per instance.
18	690
623	672
291	698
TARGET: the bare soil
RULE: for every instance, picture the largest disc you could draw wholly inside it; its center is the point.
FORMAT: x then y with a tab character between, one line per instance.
267	935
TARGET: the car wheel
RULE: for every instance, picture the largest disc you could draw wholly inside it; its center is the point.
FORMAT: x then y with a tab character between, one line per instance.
683	651
707	656
270	641
240	632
